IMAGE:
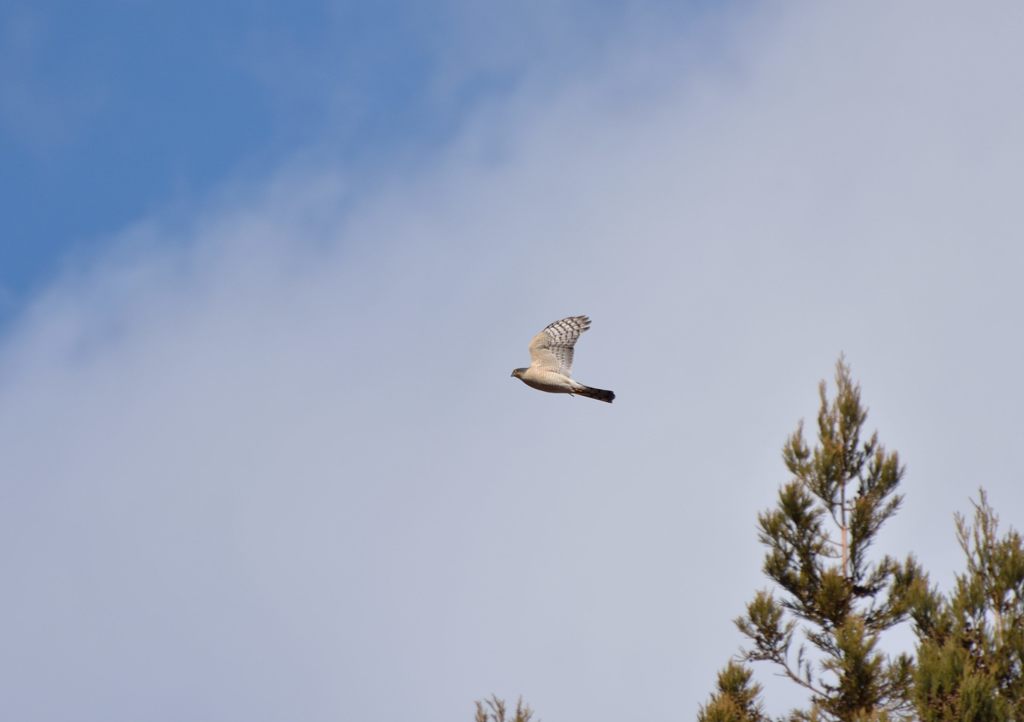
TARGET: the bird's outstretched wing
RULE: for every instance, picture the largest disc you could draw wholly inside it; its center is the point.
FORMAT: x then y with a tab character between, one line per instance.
551	349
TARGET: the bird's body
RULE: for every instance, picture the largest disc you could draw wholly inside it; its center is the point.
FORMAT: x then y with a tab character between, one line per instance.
551	354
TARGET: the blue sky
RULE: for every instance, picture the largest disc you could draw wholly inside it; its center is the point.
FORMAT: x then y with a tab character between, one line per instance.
267	275
113	111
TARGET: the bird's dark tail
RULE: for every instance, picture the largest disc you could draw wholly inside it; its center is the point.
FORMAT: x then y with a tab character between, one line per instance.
599	394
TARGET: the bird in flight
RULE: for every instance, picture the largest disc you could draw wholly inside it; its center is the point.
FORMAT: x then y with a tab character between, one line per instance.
551	360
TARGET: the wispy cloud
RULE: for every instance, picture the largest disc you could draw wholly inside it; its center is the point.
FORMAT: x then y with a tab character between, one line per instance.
271	465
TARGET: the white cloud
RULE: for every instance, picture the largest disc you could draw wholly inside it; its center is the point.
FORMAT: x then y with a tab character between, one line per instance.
279	471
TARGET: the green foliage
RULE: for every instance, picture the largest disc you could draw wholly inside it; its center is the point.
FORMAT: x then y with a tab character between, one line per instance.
834	601
495	710
821	626
971	651
736	698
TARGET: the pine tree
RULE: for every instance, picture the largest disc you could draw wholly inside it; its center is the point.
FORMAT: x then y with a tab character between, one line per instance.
823	629
971	653
495	710
821	625
736	699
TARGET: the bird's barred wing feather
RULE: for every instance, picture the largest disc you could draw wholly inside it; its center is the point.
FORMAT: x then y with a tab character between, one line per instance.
551	349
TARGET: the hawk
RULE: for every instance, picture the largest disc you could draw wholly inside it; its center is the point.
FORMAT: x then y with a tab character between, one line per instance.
551	360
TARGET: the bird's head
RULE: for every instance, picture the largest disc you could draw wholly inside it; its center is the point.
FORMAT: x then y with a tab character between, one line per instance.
518	373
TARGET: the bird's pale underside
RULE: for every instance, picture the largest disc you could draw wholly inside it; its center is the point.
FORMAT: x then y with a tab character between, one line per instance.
550	366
